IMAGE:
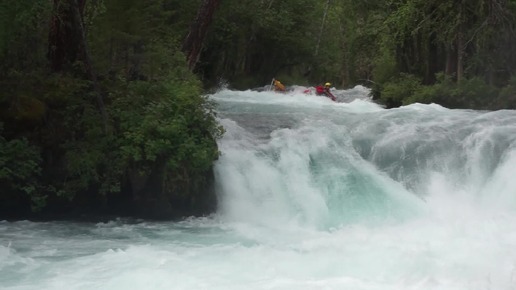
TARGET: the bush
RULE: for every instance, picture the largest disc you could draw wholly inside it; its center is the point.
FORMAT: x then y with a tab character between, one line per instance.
439	93
19	172
177	126
475	93
471	93
396	91
507	97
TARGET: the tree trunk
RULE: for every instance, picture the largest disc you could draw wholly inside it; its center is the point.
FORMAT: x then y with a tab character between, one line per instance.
323	22
64	43
78	6
460	44
460	56
193	43
67	44
451	61
345	75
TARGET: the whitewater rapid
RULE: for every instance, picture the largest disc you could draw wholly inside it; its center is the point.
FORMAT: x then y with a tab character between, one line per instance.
313	194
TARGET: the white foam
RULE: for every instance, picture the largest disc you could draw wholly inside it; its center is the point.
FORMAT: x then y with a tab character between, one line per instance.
313	195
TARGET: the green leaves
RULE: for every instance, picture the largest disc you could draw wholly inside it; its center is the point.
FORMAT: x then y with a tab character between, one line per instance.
175	127
18	160
20	167
22	23
398	89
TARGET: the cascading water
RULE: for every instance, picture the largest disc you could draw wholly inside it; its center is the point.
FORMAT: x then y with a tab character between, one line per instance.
291	160
312	195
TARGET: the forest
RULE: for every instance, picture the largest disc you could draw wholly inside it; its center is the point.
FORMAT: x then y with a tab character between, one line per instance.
103	105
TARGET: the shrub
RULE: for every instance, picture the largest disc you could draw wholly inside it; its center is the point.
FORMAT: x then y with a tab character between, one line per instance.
507	97
19	172
396	91
471	93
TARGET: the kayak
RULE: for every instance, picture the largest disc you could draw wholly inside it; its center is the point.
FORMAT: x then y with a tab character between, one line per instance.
312	91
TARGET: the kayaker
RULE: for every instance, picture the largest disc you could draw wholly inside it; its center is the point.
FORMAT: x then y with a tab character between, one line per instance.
278	86
325	91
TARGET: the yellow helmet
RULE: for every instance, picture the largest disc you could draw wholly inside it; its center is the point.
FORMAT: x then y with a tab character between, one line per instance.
327	84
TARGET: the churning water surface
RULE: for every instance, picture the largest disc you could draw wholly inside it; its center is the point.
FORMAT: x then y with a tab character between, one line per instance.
312	195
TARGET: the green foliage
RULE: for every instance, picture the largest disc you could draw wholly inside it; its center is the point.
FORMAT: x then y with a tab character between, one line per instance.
474	93
130	39
176	125
20	166
470	93
396	91
438	93
385	68
159	123
252	41
263	39
510	89
507	96
156	112
22	23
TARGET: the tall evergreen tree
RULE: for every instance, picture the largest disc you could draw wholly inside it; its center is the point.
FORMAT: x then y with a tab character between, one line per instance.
192	45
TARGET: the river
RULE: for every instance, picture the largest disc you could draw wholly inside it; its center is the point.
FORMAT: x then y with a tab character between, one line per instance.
313	194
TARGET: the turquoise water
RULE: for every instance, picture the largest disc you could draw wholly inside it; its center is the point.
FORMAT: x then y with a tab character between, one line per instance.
313	195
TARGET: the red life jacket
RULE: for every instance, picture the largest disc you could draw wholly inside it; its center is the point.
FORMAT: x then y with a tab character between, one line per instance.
320	90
